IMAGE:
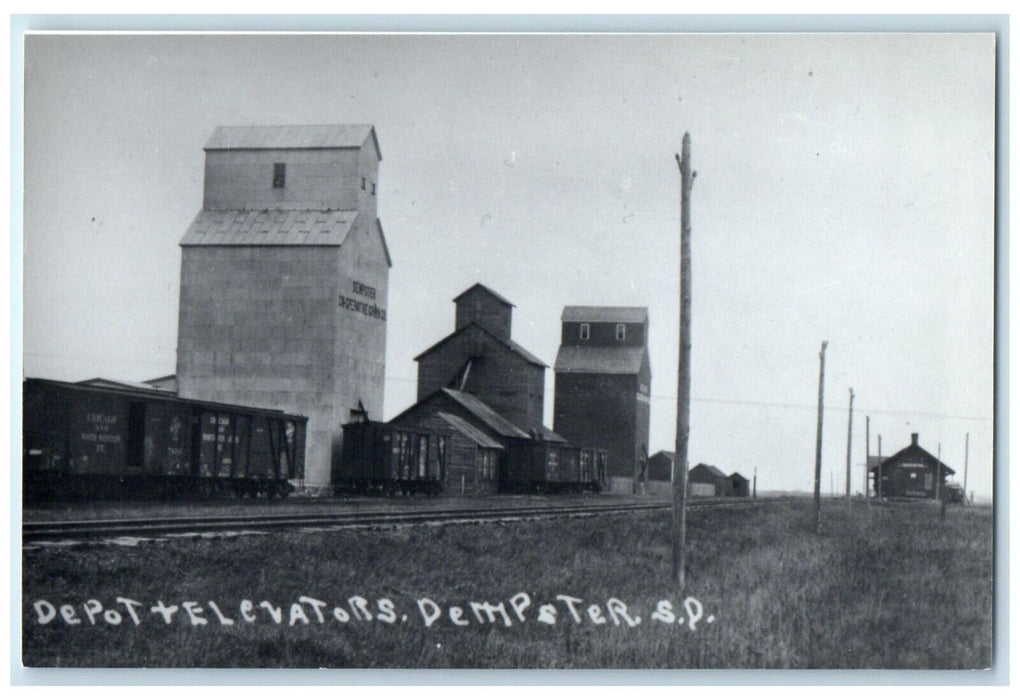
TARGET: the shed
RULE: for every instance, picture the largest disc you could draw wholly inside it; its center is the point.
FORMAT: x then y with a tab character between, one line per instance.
473	458
706	480
738	485
660	466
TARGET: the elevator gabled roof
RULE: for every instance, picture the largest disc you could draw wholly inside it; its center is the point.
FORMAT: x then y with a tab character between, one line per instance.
475	327
478	285
270	227
596	359
605	314
300	136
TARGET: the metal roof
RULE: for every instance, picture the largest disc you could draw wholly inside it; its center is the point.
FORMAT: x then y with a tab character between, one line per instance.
479	285
714	471
469	431
483	412
549	436
270	227
514	347
589	359
606	314
148	392
293	136
103	383
874	463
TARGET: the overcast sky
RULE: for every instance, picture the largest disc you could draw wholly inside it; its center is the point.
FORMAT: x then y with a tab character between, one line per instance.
844	193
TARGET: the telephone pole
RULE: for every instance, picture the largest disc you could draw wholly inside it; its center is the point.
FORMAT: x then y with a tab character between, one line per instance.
849	437
966	458
941	497
867	467
683	394
818	440
938	474
878	471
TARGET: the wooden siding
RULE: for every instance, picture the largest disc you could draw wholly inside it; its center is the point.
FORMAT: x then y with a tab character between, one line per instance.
910	473
504	380
601	411
660	467
603	334
478	305
469	465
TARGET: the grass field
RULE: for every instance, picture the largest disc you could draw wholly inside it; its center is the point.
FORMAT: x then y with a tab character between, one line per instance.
885	587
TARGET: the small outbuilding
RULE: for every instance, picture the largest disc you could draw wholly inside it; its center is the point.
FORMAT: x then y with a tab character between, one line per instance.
913	472
660	466
737	485
706	480
473	458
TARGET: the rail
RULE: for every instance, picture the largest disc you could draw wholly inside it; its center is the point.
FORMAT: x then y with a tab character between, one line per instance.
153	527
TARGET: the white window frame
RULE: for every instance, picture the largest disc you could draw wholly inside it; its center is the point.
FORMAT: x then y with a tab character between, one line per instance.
585	331
621	331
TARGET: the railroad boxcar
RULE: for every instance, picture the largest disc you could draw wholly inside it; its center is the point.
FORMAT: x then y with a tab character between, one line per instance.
593	468
537	465
88	441
381	458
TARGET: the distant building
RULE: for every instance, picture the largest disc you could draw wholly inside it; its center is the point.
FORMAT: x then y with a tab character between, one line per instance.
479	358
660	466
706	480
284	277
737	485
603	379
913	472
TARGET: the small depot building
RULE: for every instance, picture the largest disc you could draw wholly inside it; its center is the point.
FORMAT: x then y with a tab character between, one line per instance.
913	472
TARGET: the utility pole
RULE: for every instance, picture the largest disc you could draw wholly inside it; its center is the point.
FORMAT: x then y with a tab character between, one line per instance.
867	467
938	486
683	394
966	458
849	437
754	488
938	474
818	440
878	471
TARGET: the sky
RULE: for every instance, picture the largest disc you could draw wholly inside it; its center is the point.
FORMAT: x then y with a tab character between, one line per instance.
844	192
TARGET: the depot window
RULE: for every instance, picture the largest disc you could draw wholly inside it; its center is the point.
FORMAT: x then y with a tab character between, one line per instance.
621	331
585	331
279	176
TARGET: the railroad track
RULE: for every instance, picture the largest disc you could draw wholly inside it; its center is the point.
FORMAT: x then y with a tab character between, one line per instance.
35	532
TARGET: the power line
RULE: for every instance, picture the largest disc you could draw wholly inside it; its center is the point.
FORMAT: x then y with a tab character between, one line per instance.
777	404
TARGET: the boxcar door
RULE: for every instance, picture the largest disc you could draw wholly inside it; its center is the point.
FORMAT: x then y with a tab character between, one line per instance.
196	442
